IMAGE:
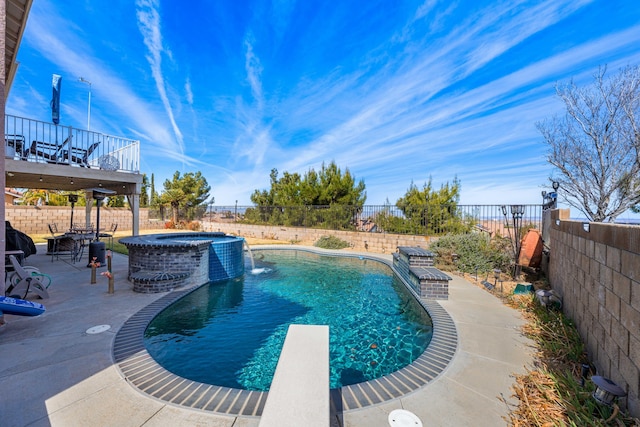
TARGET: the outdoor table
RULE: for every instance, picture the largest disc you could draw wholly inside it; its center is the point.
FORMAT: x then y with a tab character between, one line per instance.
80	240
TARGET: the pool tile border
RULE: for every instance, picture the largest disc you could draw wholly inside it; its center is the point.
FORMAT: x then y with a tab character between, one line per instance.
144	373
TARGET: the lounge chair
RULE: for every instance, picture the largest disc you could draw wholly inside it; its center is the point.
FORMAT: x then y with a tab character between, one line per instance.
18	144
24	282
61	153
79	156
48	151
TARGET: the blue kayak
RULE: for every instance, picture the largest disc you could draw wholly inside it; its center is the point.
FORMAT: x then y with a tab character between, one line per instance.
20	307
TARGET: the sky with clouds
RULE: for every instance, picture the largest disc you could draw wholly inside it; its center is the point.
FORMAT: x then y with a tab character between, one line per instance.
395	91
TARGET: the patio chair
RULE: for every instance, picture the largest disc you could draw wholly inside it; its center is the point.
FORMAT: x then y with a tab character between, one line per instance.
55	240
82	235
25	282
13	278
109	235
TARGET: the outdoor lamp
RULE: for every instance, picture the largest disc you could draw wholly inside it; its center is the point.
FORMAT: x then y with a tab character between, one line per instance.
517	211
555	185
73	198
504	210
606	390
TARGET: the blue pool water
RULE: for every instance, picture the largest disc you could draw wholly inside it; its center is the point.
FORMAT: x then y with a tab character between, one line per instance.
230	333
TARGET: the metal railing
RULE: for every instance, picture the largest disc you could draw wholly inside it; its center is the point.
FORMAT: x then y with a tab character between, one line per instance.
417	220
44	142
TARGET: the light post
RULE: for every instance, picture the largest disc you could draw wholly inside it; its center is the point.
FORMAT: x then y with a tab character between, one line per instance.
235	216
517	212
83	80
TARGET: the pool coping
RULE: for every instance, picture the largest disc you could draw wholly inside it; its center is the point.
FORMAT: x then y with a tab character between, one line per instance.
145	374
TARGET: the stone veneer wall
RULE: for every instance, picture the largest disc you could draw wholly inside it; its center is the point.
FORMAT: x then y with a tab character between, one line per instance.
598	274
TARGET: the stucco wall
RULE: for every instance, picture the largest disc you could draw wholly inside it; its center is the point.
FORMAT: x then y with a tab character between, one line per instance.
596	267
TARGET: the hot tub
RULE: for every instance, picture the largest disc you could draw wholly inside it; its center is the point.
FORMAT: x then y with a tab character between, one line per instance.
162	262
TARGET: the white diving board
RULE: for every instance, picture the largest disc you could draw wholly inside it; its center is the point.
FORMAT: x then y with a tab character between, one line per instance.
299	393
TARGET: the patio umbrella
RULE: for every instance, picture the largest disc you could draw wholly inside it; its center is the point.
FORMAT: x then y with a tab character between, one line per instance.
55	100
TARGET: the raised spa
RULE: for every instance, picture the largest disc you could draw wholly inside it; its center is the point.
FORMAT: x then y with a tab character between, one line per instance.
163	262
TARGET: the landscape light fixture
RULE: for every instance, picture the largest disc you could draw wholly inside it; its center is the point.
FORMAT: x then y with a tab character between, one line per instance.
83	80
496	275
606	390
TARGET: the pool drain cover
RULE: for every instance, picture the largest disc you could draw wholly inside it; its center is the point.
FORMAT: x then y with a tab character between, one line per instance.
403	418
98	329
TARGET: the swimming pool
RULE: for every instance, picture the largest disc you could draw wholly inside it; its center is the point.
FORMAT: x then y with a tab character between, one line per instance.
230	333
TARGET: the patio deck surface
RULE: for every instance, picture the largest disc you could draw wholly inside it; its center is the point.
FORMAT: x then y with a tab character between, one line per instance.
54	373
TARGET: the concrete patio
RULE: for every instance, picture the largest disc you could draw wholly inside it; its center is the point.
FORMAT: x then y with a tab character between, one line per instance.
54	373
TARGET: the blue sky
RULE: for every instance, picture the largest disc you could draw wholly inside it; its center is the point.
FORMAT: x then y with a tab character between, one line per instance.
396	91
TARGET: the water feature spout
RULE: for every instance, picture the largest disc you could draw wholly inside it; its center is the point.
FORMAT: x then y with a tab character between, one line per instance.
253	264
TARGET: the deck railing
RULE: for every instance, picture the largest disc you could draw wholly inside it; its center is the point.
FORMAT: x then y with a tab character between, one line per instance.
44	142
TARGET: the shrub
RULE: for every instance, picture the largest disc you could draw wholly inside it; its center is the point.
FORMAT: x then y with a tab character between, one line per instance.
193	226
474	250
331	242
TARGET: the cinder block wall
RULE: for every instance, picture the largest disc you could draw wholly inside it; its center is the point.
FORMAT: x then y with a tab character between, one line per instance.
34	219
361	241
596	267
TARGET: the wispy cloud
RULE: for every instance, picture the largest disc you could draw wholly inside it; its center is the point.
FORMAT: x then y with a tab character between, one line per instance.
188	91
58	40
149	24
431	88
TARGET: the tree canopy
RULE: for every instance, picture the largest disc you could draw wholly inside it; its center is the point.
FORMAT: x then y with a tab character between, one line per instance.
329	188
595	145
426	210
186	195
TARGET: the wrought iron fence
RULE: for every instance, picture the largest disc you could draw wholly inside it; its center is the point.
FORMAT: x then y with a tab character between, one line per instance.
417	220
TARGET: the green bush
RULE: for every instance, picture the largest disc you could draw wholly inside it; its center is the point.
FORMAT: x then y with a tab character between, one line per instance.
331	242
474	250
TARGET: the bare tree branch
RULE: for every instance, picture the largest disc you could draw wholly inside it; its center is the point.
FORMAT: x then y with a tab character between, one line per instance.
596	144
